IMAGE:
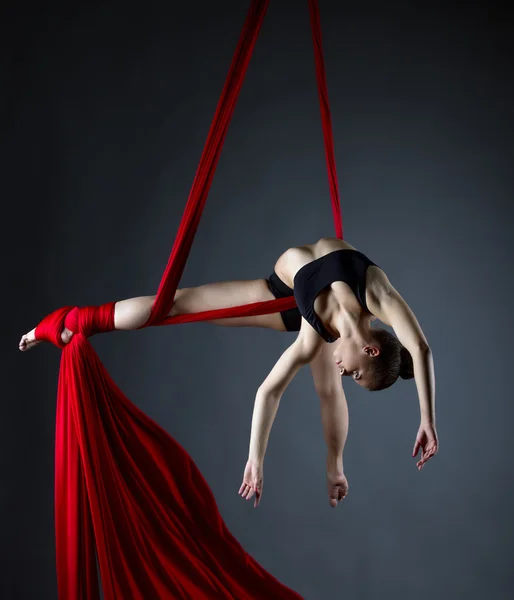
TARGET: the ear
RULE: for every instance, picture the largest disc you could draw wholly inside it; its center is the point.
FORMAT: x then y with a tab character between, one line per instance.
371	350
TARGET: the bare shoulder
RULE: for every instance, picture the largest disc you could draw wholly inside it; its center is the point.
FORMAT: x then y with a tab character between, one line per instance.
388	305
392	309
378	291
309	342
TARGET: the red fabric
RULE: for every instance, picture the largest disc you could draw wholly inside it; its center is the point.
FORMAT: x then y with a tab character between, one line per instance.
326	119
51	326
123	486
90	320
124	483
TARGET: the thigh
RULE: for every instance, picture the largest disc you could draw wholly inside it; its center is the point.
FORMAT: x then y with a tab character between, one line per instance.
226	294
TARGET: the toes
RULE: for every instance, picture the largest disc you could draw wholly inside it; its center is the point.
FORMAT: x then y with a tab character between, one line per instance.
31	344
28	341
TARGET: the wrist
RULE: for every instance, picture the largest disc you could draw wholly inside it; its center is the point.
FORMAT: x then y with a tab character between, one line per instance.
256	460
334	462
428	419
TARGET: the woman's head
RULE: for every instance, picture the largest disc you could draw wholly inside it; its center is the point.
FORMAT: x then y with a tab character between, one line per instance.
375	365
393	361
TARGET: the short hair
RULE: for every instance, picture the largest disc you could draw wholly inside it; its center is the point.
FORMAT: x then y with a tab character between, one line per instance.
393	361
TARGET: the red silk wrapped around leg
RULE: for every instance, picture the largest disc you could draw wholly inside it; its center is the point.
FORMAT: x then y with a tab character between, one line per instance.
87	320
50	328
90	320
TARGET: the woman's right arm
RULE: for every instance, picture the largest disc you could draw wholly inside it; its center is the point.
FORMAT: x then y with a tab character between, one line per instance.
303	350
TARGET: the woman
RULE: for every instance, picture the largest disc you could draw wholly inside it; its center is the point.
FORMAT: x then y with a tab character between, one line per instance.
338	292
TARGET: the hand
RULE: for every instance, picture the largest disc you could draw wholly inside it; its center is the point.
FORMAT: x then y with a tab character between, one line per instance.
428	441
252	482
337	485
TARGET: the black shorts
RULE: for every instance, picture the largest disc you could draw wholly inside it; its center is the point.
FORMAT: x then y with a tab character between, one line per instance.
291	317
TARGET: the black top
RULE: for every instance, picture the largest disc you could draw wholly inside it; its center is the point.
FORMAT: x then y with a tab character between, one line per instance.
345	265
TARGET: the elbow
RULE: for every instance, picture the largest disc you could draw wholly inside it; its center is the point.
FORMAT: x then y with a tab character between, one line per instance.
266	393
421	348
307	353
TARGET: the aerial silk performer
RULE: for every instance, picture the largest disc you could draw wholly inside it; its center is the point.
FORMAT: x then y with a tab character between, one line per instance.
123	486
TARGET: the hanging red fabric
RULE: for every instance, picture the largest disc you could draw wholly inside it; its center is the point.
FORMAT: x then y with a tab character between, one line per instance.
326	119
123	486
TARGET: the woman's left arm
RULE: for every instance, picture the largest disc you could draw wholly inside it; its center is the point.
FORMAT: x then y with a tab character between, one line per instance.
399	316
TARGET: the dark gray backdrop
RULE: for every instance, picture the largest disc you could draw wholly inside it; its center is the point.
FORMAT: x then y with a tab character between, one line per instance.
106	109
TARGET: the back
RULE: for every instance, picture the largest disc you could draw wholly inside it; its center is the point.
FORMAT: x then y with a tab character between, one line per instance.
346	265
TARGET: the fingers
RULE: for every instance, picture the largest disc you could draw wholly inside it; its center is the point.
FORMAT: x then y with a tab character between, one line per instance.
417	445
427	455
247	492
337	494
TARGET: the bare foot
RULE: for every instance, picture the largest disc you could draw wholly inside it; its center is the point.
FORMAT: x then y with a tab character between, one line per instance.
28	340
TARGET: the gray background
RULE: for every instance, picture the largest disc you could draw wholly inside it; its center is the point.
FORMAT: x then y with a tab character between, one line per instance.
105	112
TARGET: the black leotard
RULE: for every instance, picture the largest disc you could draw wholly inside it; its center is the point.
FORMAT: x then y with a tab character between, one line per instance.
291	318
345	265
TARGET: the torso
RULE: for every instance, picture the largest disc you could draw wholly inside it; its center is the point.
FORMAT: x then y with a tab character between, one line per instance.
339	293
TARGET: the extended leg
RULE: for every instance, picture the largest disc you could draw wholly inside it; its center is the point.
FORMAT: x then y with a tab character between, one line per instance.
134	312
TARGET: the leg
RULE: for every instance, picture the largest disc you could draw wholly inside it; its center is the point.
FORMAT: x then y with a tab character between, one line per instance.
132	313
226	294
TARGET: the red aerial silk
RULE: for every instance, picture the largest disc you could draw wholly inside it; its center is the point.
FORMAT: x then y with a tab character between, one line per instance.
123	486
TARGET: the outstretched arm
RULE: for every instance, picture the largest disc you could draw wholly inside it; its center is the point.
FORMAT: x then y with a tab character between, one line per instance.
334	419
303	350
399	316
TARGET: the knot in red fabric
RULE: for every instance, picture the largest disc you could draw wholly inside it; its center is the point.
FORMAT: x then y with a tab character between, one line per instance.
50	328
90	320
87	320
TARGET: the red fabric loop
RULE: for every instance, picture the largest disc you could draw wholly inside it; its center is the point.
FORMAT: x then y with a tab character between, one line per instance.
50	328
90	320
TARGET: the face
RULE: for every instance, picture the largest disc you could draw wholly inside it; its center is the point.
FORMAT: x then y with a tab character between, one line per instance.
354	360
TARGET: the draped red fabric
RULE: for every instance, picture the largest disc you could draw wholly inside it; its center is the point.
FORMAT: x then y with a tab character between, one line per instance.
123	486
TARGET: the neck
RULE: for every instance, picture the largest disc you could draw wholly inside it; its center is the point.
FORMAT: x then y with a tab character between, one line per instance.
350	326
